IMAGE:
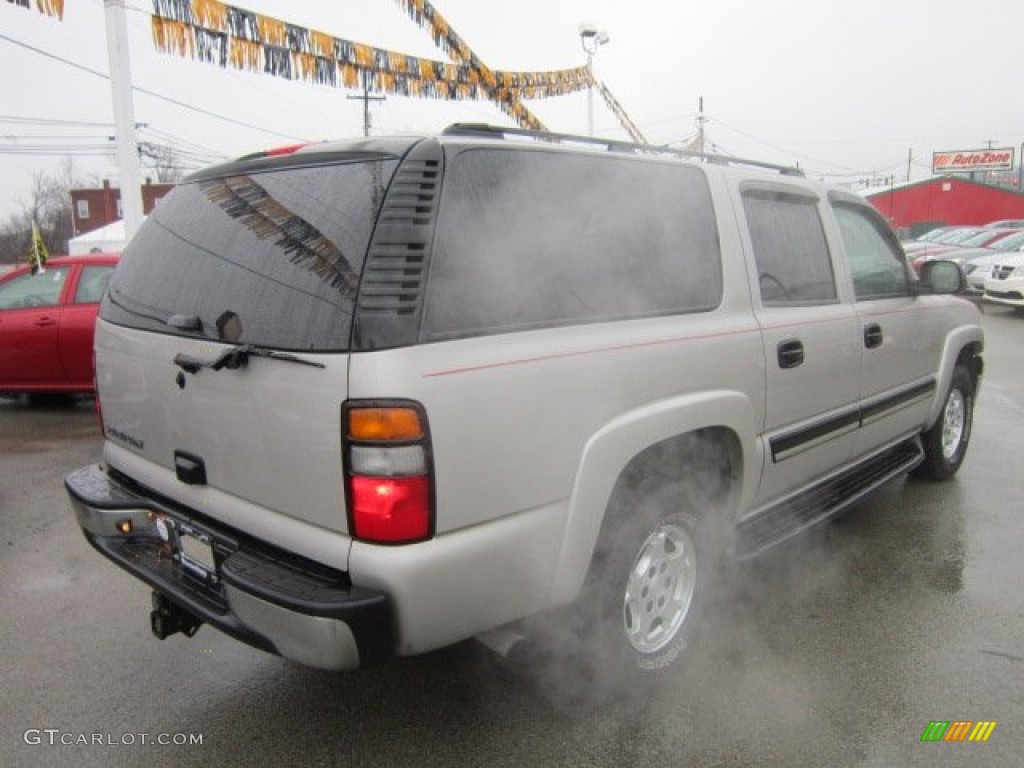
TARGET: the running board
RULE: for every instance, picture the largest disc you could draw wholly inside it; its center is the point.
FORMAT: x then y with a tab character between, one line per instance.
788	517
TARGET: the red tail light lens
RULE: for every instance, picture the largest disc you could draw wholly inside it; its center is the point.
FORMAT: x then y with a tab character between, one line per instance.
388	474
391	509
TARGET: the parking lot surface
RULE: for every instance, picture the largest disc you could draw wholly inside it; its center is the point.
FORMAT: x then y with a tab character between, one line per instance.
838	648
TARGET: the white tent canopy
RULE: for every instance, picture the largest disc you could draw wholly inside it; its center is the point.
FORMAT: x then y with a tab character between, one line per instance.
108	239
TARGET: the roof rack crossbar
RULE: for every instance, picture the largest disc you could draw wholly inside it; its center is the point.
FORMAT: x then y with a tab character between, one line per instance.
612	145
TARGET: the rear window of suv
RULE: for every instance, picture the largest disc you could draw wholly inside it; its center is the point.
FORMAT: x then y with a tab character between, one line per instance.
530	238
270	258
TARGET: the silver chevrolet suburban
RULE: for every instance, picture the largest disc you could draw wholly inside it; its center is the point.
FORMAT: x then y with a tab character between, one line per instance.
375	397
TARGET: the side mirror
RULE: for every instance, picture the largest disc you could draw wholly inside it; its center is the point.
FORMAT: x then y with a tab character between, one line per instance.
942	277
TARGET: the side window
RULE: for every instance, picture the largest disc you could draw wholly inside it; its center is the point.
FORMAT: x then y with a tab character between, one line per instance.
40	290
93	284
793	263
528	239
875	260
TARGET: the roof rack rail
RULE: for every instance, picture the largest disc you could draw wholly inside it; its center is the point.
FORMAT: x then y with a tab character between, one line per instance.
612	145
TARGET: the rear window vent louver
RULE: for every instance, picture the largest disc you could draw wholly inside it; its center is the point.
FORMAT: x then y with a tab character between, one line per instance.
390	294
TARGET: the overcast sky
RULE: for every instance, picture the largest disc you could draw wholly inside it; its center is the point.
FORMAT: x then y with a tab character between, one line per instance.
845	88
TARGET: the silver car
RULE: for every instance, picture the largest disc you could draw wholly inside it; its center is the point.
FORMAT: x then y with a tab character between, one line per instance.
374	397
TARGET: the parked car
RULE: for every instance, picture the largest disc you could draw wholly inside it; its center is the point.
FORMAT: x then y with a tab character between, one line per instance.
47	322
1006	224
977	262
1005	282
930	236
982	238
375	397
949	237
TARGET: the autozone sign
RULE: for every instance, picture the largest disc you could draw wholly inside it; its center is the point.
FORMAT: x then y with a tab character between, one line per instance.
973	160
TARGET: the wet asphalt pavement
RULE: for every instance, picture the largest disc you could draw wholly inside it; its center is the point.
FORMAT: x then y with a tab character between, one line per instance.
836	649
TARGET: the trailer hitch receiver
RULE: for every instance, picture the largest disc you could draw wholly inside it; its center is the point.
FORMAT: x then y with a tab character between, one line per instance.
167	619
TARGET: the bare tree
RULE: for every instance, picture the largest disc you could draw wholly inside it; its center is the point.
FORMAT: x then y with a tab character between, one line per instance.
49	205
165	162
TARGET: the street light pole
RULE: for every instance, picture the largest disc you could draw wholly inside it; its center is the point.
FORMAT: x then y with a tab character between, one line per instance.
590	94
591	38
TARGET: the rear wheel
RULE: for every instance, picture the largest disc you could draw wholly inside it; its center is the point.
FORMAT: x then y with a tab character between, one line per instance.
651	587
650	578
945	444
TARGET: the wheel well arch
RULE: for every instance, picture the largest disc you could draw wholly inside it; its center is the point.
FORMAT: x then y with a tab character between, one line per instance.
963	347
970	357
710	457
719	452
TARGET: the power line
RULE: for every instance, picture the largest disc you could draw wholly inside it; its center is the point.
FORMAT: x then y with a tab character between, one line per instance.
148	92
782	149
183	144
45	136
59	151
52	122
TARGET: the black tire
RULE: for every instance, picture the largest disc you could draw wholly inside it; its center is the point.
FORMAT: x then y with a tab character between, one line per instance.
650	578
945	444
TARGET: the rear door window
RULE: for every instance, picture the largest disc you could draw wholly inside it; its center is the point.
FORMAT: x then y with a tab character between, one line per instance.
528	239
270	258
92	283
793	261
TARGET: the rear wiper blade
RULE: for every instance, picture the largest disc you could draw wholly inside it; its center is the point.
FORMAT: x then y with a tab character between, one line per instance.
238	357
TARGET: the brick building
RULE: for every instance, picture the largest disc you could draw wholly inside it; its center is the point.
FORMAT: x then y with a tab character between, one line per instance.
97	207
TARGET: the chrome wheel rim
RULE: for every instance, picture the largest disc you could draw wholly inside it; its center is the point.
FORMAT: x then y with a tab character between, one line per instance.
953	423
660	588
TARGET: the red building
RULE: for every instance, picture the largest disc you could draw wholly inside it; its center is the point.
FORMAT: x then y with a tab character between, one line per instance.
95	208
945	200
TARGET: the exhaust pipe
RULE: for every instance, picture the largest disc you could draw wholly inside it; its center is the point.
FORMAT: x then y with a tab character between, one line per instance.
168	619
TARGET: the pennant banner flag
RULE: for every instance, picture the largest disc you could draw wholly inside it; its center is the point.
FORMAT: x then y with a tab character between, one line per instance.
445	37
49	7
620	113
225	35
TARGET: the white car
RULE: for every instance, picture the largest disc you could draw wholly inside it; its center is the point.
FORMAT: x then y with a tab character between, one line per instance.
1005	282
977	262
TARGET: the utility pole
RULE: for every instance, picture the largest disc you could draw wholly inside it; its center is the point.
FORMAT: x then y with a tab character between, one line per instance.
124	116
366	98
910	159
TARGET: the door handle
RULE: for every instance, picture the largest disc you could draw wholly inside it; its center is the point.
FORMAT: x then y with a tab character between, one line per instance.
42	322
872	335
790	353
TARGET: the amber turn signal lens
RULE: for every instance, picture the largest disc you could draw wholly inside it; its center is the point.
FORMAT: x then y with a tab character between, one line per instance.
384	424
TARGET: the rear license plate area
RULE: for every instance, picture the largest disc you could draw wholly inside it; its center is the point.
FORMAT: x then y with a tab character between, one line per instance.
195	553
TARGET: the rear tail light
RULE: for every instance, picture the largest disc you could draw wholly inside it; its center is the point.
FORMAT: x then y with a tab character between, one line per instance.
388	472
